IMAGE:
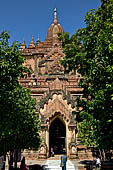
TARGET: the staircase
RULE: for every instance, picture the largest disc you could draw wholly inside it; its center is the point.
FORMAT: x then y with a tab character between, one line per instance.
55	157
55	165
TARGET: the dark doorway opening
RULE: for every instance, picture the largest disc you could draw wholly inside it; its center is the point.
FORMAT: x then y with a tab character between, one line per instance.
57	137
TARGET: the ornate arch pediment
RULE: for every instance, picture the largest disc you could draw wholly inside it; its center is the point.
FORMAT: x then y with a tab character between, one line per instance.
57	102
57	92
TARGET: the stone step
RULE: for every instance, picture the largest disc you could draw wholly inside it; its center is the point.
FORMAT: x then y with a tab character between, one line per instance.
55	165
60	168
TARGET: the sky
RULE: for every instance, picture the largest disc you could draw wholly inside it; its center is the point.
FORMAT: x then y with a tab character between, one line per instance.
24	18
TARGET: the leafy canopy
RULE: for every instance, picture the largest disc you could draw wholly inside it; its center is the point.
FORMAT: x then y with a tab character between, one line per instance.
90	51
19	125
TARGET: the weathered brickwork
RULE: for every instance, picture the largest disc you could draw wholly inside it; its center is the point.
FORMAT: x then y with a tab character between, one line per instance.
55	93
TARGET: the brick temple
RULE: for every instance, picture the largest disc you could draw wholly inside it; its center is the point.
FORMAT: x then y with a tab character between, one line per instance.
55	92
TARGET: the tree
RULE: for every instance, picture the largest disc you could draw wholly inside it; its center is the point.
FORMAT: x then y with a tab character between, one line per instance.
19	125
90	51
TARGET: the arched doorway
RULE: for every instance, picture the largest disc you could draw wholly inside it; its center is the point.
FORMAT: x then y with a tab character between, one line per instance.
57	136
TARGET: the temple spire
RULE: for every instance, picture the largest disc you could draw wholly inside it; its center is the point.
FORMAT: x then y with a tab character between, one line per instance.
38	42
23	45
55	16
32	45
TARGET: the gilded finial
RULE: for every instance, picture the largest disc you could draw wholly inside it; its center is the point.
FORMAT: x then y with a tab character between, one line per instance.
55	10
55	16
38	38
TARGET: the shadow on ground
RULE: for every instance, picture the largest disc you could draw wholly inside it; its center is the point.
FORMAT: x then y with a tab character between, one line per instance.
105	165
35	167
88	162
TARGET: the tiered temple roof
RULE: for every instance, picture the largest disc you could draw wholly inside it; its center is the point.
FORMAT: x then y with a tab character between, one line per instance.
50	41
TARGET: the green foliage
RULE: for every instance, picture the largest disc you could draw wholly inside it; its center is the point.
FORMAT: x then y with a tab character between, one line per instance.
19	125
94	60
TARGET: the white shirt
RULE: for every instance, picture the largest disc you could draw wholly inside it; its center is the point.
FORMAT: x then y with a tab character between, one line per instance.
97	161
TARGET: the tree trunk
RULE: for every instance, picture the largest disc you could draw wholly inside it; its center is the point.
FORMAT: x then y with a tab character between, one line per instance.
11	161
16	158
102	154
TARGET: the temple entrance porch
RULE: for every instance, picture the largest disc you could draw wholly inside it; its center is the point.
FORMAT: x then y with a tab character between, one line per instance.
57	136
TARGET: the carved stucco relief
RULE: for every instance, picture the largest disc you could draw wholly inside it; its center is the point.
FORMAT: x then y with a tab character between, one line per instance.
56	104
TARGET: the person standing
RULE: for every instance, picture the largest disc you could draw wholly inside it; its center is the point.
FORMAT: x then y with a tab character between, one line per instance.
98	163
52	152
63	161
23	165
